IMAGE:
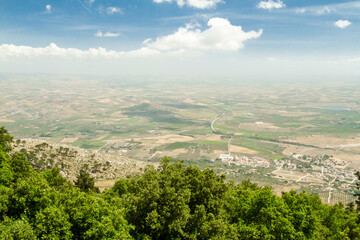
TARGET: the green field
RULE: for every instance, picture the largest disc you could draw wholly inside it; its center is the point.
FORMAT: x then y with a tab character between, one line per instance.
141	118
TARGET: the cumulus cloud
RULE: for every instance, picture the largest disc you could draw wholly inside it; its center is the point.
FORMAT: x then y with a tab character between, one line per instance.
220	35
48	8
201	4
270	4
112	10
342	23
10	50
107	34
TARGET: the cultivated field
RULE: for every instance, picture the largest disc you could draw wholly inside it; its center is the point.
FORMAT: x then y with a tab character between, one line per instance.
147	119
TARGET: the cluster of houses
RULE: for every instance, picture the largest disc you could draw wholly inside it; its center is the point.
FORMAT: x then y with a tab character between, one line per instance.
322	166
327	167
285	164
244	161
322	159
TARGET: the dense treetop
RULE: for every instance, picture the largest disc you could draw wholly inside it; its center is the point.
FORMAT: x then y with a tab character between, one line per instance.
174	201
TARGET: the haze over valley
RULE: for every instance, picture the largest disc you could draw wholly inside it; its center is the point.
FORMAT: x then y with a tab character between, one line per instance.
179	119
289	135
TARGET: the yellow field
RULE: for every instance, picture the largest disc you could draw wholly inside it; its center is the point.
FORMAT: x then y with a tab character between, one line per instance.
69	140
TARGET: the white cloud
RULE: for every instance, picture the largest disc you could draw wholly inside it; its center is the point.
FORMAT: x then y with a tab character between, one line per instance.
112	10
201	4
325	10
300	10
270	4
110	34
220	35
48	8
318	10
107	34
98	34
10	50
342	23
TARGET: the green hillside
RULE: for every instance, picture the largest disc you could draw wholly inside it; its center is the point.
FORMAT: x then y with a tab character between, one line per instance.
174	201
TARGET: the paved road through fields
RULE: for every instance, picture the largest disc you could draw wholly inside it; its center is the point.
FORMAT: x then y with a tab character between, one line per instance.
213	121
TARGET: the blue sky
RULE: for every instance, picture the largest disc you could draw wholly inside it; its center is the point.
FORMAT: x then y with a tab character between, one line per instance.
180	36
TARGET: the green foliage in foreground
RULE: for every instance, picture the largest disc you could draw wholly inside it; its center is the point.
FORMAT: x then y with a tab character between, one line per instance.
171	202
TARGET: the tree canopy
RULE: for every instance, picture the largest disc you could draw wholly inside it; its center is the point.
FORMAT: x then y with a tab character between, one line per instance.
5	140
173	201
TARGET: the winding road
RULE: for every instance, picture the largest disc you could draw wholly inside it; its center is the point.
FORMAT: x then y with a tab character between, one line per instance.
213	121
154	154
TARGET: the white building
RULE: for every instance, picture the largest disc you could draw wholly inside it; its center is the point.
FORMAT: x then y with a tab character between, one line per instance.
226	157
